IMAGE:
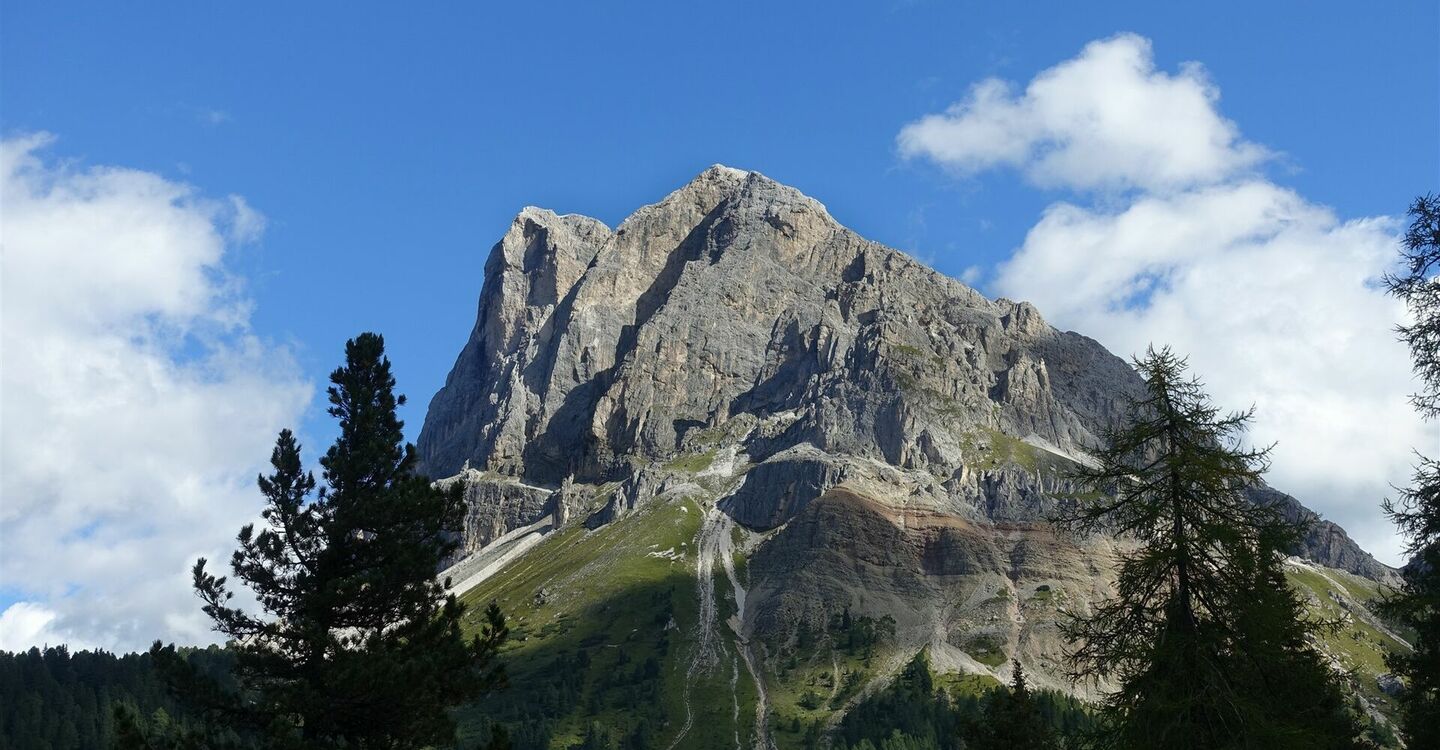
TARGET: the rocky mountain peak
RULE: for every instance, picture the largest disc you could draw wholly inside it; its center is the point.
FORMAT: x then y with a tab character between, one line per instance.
735	317
733	389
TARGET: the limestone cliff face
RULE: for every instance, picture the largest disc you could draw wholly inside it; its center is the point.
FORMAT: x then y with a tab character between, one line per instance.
736	299
598	352
893	438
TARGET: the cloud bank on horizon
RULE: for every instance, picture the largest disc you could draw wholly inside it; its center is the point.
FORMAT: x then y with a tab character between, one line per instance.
1172	235
138	404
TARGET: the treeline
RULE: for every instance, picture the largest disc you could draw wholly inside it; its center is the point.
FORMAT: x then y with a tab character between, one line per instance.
914	713
54	699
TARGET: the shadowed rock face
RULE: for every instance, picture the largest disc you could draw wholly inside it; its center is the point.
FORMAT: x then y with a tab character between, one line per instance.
736	330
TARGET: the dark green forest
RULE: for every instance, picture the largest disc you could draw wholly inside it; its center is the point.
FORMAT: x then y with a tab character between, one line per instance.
917	713
58	700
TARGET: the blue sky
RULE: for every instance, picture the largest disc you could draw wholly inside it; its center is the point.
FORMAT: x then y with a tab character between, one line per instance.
387	147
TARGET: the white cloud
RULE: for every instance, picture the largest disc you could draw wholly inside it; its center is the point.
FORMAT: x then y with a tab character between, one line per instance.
25	624
246	224
137	405
1106	119
1275	301
1274	298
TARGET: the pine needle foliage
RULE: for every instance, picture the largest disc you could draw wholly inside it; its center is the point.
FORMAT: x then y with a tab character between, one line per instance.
357	644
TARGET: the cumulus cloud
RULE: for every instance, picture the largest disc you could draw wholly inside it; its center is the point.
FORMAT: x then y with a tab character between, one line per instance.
138	405
25	624
1276	302
1106	119
1275	299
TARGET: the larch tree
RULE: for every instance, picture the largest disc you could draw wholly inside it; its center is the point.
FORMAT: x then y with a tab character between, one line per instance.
1201	621
1417	511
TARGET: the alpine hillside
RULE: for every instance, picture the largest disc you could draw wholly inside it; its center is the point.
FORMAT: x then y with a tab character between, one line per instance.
731	466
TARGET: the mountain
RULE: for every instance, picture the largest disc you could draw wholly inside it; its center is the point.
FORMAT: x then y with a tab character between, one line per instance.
787	459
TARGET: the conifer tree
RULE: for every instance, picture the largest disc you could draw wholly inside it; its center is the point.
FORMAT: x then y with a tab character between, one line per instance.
1417	513
359	645
1200	622
1013	720
1292	696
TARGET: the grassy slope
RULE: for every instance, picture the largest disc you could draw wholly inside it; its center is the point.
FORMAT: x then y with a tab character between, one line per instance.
624	596
1359	642
810	687
620	596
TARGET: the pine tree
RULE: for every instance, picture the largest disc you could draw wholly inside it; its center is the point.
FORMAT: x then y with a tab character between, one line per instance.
359	646
1013	721
1200	617
1417	514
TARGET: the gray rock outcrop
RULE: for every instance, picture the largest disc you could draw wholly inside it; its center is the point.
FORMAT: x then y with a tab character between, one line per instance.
737	314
